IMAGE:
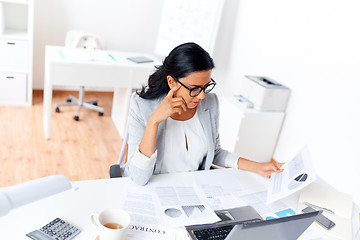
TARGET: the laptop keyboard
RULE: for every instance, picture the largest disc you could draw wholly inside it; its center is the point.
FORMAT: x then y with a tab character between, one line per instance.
213	233
217	233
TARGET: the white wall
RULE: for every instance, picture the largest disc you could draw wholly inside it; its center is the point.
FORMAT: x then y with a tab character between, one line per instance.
313	47
126	25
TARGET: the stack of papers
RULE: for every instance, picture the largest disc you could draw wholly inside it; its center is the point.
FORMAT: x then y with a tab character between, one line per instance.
338	202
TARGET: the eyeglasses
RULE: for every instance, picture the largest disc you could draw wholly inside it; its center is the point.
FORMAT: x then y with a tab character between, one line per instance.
193	92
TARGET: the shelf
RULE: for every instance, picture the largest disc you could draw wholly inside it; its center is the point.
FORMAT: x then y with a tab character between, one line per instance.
14	34
11	71
24	2
13	18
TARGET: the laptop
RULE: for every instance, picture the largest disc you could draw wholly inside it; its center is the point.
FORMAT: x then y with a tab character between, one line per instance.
286	228
229	218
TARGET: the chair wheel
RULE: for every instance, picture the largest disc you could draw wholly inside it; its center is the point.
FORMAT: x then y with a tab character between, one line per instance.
57	109
95	103
76	118
101	114
68	100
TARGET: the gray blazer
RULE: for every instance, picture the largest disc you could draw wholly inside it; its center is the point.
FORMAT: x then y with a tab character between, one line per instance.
139	112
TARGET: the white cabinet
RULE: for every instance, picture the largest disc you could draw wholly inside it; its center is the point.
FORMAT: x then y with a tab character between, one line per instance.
251	133
13	88
16	52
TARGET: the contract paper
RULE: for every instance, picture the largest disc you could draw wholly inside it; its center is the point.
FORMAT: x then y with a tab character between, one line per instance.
298	173
145	219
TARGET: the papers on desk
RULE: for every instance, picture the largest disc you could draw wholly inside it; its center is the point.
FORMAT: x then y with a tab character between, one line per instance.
298	173
182	205
156	209
219	189
267	211
145	220
223	190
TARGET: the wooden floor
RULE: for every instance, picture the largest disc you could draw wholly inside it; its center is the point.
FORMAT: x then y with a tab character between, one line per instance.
80	150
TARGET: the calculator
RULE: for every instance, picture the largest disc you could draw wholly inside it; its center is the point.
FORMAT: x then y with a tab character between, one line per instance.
57	229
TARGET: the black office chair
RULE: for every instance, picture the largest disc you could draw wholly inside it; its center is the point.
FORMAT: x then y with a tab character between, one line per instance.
115	170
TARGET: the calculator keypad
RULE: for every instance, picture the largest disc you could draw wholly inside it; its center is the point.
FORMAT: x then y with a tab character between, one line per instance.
57	229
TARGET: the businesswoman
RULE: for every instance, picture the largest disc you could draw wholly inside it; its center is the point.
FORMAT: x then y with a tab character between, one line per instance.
173	121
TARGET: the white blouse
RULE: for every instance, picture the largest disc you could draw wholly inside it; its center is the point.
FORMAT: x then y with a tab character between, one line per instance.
185	145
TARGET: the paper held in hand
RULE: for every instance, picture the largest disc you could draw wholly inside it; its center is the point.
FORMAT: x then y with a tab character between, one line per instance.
298	173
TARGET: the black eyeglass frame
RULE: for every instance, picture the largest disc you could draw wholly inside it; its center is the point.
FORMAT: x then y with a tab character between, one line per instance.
211	83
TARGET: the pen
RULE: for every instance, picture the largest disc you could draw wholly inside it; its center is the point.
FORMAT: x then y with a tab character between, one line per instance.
112	57
317	207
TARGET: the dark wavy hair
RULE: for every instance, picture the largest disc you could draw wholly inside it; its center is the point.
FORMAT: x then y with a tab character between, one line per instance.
181	61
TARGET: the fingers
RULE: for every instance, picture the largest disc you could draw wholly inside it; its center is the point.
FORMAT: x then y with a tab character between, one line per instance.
173	91
270	168
178	103
277	168
277	164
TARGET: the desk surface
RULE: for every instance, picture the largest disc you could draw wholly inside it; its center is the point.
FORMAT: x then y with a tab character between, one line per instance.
76	205
74	66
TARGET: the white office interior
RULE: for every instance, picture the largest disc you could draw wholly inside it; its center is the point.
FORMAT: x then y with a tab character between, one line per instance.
312	47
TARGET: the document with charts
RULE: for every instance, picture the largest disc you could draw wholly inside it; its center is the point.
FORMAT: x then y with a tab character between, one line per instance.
298	173
181	205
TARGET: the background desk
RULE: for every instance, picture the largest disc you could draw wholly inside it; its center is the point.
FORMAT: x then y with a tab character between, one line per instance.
122	75
76	205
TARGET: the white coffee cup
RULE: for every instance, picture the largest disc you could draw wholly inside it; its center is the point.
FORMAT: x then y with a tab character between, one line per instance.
111	223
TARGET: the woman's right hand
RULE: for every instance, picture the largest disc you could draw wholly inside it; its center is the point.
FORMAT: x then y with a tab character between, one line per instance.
169	106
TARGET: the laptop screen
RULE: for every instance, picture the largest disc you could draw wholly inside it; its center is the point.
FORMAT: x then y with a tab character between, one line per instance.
286	228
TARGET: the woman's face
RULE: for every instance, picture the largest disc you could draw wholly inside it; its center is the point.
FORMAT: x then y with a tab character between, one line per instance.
194	79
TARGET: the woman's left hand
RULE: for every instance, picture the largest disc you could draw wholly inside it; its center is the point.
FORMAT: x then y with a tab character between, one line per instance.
266	169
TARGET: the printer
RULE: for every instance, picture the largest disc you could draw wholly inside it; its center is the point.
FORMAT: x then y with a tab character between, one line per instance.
264	94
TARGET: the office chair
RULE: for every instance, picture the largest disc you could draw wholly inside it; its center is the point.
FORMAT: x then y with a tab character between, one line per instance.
115	170
76	39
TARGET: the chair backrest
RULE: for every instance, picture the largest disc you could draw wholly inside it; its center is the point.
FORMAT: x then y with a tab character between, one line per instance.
123	152
79	39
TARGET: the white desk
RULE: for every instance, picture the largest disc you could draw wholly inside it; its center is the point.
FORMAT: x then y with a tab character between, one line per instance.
96	195
68	67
